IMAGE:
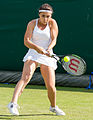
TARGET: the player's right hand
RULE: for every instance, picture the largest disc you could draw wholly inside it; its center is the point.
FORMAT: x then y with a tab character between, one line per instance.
40	50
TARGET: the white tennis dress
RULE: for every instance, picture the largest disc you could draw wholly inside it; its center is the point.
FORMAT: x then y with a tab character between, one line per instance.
41	38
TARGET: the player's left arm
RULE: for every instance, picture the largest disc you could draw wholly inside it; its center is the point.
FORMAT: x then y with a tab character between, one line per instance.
53	33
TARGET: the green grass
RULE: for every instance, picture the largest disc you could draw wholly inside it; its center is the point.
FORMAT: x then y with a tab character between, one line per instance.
77	103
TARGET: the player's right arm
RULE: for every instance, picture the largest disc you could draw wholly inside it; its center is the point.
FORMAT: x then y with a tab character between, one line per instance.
28	35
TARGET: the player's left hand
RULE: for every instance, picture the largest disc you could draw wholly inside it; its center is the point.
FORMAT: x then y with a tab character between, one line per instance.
48	52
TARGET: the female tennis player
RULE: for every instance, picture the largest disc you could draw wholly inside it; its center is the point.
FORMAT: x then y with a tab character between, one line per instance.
40	36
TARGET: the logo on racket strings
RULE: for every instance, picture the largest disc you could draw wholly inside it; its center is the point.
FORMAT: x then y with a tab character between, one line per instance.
74	66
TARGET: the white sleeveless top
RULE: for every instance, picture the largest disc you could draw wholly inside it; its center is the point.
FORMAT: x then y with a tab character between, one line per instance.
41	38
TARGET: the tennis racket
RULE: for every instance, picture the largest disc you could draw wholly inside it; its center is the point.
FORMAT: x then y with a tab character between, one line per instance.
75	66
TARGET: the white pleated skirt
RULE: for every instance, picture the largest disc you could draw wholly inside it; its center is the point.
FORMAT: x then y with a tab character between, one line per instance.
40	59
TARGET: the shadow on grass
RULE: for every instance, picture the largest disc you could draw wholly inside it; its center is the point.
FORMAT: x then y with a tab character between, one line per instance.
12	117
39	114
42	87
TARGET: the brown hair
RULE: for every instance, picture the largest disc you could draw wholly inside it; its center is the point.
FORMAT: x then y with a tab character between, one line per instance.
46	7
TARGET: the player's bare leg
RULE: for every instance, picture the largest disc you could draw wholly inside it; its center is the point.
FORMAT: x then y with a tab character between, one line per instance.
49	77
28	70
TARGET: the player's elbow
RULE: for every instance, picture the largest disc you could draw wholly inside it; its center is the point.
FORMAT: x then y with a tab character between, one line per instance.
25	41
55	41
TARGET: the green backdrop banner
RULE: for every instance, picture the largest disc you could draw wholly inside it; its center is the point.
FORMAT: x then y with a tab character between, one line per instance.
75	21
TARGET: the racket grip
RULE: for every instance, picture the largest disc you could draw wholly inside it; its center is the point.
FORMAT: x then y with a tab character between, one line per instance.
55	56
52	55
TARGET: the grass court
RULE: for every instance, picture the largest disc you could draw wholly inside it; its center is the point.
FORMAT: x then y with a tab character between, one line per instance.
77	103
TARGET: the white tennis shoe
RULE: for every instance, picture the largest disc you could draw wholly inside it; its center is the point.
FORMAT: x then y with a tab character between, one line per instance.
57	110
13	108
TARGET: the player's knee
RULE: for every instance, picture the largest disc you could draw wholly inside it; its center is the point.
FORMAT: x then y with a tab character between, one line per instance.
51	88
25	78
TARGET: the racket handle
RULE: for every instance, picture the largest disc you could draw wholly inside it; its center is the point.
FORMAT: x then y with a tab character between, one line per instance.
52	55
55	56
